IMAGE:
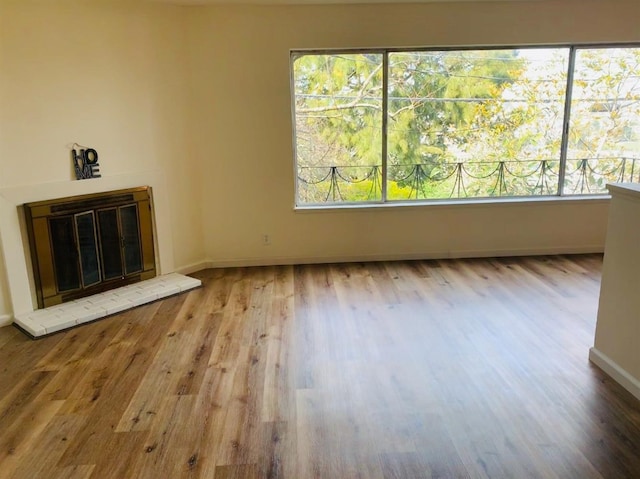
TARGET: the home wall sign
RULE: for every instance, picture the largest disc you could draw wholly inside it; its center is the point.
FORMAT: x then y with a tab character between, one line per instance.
85	163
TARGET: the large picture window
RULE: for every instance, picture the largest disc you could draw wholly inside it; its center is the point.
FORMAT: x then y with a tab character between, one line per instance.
389	126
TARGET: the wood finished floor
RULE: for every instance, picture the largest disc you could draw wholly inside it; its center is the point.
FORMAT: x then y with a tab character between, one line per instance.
422	369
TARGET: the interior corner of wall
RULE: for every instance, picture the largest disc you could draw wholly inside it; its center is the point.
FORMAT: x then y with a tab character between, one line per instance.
5	303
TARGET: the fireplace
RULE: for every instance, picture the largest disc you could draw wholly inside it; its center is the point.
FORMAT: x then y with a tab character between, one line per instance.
87	244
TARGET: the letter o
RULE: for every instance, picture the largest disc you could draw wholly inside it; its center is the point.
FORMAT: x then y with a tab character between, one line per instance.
91	156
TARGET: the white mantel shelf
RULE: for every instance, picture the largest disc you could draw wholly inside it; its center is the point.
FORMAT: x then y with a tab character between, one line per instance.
57	318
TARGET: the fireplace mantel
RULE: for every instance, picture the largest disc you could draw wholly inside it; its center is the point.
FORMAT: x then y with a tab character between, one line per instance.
13	234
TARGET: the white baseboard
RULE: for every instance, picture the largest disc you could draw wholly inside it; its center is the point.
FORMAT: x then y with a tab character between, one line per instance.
5	320
527	251
613	369
288	260
193	267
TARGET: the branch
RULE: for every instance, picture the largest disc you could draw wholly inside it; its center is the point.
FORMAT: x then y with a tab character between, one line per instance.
346	106
353	104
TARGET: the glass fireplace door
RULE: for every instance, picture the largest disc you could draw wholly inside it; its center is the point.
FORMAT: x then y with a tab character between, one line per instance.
65	253
75	251
87	248
92	247
120	241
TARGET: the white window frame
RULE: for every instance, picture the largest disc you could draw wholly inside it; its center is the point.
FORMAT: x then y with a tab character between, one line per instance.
572	51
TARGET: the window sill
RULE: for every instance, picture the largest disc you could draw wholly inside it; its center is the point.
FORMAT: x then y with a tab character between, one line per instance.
464	203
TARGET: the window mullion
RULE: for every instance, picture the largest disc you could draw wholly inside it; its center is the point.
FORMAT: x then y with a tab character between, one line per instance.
385	110
564	145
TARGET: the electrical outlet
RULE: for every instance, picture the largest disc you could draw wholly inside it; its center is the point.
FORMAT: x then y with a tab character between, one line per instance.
266	240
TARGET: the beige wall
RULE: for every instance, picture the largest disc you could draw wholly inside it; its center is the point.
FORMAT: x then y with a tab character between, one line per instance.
202	95
244	116
113	77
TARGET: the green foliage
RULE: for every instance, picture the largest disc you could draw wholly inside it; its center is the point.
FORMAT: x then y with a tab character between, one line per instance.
338	109
435	99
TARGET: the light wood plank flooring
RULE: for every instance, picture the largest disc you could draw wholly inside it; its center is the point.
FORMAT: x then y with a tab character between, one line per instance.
422	369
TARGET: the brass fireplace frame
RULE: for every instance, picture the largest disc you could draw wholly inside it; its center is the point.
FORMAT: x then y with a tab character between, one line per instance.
39	215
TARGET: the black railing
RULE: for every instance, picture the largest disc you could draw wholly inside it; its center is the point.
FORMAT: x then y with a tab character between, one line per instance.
472	179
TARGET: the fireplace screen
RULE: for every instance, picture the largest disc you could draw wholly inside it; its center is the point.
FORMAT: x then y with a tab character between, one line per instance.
87	244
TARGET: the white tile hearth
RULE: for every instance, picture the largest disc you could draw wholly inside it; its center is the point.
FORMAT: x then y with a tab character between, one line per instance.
67	315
